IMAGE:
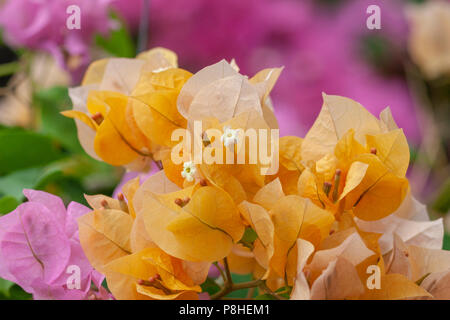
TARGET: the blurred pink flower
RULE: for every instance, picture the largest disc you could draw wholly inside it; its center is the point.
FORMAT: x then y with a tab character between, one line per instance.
39	241
41	25
319	45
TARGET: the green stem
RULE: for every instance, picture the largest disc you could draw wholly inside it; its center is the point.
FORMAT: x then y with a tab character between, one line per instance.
237	286
229	286
264	287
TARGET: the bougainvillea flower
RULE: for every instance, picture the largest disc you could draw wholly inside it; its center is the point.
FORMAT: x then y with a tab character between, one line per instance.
410	223
104	107
155	104
300	289
105	235
416	262
337	269
352	158
39	245
290	163
198	223
113	227
332	271
112	235
150	274
340	273
244	175
279	221
219	91
437	285
339	204
240	172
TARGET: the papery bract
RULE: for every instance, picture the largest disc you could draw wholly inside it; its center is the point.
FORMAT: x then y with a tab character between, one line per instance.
38	242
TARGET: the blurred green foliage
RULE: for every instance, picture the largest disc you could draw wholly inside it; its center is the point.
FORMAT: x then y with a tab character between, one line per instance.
50	157
119	42
442	202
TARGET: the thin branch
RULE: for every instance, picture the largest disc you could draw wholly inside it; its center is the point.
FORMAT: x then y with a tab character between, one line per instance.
227	270
222	274
264	287
233	287
251	292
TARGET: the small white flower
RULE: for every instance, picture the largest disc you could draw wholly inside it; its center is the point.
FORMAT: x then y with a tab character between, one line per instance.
229	137
188	171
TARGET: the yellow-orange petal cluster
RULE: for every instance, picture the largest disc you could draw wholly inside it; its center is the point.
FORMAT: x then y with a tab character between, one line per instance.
325	216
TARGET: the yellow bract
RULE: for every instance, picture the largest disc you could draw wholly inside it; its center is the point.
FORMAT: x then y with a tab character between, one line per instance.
126	109
105	236
155	104
295	217
149	274
358	171
203	230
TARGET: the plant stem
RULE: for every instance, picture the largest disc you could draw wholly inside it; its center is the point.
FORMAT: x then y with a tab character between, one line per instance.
227	271
233	287
250	293
229	286
264	287
228	281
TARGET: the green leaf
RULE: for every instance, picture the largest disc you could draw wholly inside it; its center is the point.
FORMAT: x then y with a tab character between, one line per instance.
25	149
32	178
68	178
265	296
249	235
51	102
7	204
12	184
248	238
17	293
284	291
210	286
5	286
119	42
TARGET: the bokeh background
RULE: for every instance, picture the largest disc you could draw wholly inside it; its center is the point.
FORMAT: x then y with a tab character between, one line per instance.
324	45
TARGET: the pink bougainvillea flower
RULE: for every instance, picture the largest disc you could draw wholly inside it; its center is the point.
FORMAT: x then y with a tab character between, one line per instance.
41	25
41	252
